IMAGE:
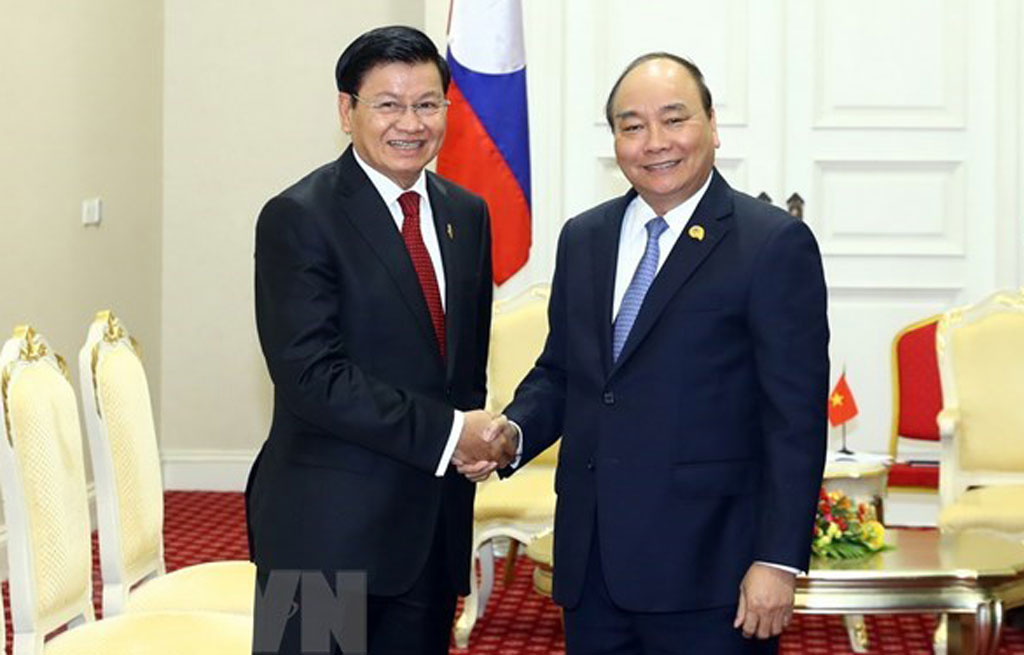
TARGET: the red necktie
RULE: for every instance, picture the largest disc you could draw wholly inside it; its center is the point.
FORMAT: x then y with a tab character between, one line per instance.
410	202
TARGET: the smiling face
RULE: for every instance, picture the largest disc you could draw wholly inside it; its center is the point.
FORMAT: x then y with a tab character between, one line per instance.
399	146
664	141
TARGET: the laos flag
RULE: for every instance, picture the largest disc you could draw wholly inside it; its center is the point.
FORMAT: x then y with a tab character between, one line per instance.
487	146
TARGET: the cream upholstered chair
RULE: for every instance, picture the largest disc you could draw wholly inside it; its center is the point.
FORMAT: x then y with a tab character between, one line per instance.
42	474
129	490
522	506
981	357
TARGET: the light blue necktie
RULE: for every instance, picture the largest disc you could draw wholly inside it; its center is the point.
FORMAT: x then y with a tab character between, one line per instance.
638	286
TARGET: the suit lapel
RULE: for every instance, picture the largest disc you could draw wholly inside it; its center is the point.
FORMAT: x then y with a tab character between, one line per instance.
364	207
447	231
686	257
604	258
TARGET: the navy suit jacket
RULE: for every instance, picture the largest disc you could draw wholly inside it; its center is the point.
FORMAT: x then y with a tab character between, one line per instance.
701	449
362	399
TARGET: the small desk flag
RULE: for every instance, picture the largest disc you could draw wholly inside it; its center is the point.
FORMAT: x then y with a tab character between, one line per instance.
841	405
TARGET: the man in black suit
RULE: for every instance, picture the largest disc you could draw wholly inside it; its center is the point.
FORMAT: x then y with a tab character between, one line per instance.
373	301
686	370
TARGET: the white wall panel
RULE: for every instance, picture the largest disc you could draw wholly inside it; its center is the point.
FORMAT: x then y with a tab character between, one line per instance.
890	207
880	63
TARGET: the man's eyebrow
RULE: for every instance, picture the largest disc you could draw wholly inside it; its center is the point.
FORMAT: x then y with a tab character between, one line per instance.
632	113
675	106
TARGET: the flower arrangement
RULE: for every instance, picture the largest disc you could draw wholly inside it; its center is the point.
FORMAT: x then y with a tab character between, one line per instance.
842	531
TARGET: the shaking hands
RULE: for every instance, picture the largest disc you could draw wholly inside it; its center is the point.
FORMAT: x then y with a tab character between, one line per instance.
485	444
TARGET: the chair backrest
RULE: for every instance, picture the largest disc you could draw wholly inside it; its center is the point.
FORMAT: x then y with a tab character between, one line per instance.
981	355
916	388
519	328
42	473
125	457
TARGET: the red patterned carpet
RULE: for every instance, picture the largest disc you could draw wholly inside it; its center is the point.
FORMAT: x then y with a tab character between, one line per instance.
211	526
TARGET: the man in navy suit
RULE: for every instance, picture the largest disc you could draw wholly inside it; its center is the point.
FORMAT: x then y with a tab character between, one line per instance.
686	370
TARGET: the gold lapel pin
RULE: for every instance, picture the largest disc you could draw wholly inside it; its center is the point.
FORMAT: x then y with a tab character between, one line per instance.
696	232
451	233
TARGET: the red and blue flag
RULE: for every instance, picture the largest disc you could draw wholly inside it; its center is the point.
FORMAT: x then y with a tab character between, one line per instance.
487	146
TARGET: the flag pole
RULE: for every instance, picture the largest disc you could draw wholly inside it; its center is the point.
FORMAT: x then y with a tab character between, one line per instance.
844	450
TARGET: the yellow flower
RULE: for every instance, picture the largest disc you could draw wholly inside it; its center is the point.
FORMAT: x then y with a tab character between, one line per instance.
835	495
822	541
874	534
833	531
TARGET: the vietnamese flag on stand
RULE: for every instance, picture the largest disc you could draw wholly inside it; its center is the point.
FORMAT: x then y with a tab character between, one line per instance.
487	146
841	405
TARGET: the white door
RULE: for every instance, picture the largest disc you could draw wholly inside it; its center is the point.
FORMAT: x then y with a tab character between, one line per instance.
880	114
890	114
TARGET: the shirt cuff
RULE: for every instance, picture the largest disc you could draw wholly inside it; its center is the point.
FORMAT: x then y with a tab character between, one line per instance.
453	440
519	445
783	567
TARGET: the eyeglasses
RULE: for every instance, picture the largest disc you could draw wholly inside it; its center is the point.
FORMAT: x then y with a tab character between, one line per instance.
394	108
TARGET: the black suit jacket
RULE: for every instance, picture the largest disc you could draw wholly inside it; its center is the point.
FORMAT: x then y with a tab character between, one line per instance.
701	449
362	399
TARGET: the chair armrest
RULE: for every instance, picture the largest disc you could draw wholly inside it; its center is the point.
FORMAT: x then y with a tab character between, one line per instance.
948	420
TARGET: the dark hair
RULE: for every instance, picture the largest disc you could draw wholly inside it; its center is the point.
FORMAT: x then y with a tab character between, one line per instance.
698	77
385	45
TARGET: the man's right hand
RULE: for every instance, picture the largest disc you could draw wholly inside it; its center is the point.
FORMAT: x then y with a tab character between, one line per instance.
484	445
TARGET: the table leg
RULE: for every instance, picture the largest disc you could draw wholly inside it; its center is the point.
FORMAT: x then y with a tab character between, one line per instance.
988	627
976	634
959	634
856	632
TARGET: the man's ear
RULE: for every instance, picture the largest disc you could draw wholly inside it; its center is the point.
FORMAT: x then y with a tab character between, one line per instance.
714	128
345	112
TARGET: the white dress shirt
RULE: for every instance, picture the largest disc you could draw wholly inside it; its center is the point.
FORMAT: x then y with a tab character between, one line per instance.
389	193
633	238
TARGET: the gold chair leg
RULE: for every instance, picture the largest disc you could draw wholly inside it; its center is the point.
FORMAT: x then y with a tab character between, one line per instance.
940	640
856	632
510	561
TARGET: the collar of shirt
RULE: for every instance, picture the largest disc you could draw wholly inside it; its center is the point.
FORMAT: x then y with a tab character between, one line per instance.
639	212
389	193
633	238
386	187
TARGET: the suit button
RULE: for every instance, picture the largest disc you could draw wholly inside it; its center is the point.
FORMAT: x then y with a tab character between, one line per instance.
590	465
448	391
609	398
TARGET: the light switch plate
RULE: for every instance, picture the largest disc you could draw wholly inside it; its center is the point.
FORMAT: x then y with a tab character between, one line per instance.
92	211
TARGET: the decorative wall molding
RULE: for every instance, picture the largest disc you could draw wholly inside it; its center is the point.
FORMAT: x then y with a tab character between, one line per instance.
890	207
915	77
206	470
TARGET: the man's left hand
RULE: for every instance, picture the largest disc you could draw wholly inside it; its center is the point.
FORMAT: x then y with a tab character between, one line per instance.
766	601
